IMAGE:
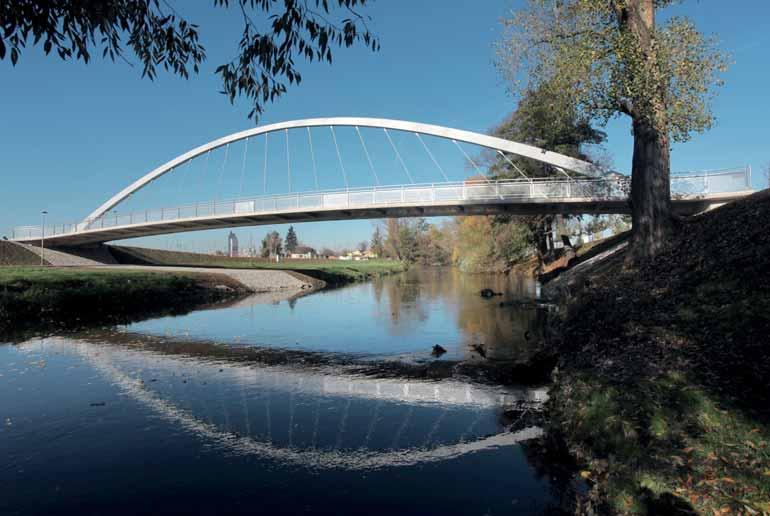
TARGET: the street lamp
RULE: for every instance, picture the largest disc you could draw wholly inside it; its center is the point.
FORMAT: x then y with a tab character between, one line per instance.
42	238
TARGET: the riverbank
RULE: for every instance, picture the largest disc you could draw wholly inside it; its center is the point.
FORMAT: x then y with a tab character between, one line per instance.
47	299
661	390
331	272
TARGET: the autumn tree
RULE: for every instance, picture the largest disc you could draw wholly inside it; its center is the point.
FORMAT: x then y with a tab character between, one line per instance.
614	60
376	245
275	33
272	245
553	123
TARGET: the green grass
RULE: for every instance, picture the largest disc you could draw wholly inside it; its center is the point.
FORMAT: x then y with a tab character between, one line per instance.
666	442
331	271
40	298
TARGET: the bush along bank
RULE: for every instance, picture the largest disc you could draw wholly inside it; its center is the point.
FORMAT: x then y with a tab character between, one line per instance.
34	299
662	390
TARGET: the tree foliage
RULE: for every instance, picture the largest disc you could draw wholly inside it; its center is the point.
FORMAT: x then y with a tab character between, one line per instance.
590	51
553	123
376	245
414	241
275	32
291	240
272	245
612	59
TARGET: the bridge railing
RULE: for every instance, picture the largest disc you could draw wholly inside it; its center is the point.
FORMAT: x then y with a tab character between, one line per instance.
507	190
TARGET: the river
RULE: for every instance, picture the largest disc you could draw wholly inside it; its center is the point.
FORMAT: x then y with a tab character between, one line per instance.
182	415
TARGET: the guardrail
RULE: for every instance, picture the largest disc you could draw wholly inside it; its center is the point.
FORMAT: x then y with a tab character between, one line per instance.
515	190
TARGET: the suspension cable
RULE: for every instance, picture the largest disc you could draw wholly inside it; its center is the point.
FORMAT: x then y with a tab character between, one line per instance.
205	168
185	173
312	156
398	155
222	171
431	156
264	170
369	159
288	159
511	163
339	156
471	161
243	166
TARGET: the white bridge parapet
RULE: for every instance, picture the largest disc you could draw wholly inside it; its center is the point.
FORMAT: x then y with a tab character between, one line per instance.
381	201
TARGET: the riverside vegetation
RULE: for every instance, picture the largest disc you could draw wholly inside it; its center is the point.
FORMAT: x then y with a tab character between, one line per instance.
662	388
39	298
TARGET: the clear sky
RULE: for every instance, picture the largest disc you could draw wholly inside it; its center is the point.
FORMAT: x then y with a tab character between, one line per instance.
71	134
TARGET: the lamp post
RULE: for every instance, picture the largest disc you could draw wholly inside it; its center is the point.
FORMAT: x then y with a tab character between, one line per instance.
42	238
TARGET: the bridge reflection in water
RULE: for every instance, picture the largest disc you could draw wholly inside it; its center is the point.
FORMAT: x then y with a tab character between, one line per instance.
307	416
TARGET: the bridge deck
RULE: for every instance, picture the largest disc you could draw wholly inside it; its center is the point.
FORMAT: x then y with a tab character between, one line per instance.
520	197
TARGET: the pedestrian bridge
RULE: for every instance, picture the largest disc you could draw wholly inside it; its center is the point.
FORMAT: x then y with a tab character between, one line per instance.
574	187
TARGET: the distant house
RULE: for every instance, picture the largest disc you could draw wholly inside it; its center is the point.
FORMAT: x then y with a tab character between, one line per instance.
303	252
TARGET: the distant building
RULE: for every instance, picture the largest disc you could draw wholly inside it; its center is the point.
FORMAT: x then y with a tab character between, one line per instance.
303	252
359	256
232	245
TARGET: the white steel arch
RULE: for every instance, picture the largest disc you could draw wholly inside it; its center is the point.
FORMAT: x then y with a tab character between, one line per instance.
491	142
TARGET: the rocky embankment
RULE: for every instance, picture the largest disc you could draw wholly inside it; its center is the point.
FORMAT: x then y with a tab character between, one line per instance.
661	390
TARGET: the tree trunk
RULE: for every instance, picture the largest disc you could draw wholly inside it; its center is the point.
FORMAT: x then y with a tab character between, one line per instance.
650	192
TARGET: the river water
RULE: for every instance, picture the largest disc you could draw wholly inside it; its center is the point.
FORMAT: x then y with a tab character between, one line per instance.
179	415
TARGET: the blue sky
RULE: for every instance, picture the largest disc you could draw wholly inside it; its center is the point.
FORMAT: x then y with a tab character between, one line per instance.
71	134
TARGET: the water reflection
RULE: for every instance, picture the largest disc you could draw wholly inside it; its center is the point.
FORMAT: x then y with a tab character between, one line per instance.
399	316
307	417
179	416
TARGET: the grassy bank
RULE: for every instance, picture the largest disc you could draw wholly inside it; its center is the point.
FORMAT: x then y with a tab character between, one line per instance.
48	299
663	386
334	272
13	254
